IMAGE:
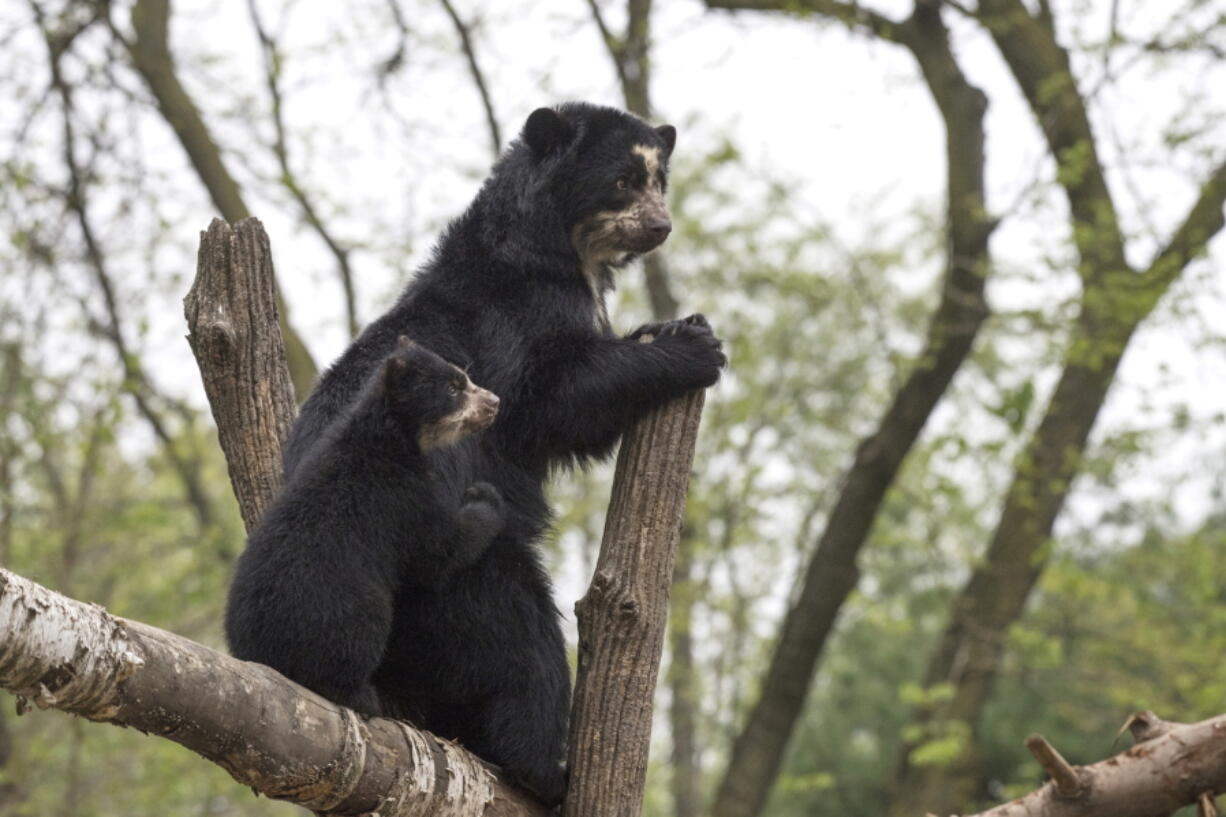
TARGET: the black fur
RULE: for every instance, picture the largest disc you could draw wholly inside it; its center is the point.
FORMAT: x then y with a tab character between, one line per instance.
512	297
315	591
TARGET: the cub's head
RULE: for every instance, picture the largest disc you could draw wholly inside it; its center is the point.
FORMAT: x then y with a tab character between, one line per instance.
432	399
607	172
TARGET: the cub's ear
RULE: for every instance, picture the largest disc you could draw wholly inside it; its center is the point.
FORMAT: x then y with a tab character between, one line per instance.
669	134
394	368
546	131
405	342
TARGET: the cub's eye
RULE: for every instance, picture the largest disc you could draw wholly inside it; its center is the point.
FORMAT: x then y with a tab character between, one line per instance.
622	184
452	389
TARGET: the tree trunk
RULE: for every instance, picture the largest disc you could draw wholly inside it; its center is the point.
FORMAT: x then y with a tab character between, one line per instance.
622	617
231	313
1115	300
833	571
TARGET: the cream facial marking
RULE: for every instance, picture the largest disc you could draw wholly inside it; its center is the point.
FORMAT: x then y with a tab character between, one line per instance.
651	158
480	408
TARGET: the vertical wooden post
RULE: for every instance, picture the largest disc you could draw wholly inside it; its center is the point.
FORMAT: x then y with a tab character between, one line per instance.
231	311
623	615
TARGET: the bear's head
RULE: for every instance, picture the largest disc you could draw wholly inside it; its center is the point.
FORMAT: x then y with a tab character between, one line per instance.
606	172
431	399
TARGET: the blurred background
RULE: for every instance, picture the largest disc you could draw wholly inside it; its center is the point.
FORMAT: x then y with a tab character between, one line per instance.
962	482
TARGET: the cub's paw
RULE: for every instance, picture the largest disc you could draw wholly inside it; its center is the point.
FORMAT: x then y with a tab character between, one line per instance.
484	503
484	493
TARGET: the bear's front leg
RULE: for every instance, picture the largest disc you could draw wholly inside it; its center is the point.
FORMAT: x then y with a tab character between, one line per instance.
589	391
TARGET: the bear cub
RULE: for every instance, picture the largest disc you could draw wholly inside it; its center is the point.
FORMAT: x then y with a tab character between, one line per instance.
316	590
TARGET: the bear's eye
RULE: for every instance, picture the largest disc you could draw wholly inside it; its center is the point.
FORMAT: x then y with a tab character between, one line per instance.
452	389
622	183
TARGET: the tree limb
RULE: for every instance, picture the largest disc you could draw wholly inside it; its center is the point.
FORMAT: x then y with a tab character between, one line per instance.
850	13
622	617
1203	222
136	382
1166	770
151	56
470	54
231	313
270	734
1042	69
273	60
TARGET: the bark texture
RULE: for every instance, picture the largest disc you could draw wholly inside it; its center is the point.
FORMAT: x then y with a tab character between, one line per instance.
622	617
266	731
833	572
231	312
1171	766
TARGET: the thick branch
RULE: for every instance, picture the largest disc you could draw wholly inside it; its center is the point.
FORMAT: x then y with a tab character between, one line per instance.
1043	71
151	56
267	732
1203	222
622	617
851	13
232	316
1157	776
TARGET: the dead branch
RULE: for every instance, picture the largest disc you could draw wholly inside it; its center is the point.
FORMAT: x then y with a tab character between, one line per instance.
622	617
266	731
1179	766
231	312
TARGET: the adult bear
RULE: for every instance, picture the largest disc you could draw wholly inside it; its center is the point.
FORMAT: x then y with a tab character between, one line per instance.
515	295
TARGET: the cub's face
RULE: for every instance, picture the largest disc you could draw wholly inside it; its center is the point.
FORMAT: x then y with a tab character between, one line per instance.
434	399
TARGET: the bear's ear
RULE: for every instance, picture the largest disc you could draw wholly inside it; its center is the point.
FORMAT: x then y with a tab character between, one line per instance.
393	369
669	134
546	131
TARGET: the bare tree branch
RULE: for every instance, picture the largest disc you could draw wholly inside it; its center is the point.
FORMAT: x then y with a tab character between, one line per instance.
273	63
1167	769
136	382
622	617
270	734
232	317
151	56
470	54
851	13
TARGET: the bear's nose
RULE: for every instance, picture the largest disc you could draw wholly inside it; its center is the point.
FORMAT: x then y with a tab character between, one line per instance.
659	228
